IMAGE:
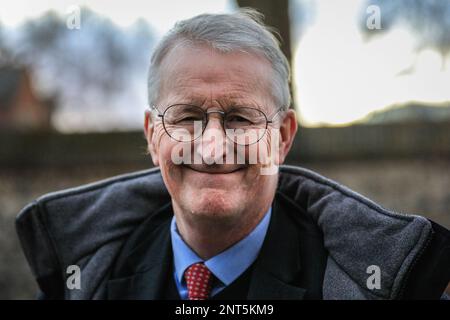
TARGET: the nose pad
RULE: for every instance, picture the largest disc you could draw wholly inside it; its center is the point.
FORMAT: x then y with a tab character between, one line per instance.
212	145
214	121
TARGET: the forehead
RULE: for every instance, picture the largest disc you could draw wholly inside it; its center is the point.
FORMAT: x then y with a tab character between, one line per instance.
203	73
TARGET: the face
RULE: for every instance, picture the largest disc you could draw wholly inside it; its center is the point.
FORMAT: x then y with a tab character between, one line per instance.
214	81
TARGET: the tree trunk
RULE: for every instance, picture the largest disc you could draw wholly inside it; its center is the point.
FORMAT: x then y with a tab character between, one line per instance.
276	15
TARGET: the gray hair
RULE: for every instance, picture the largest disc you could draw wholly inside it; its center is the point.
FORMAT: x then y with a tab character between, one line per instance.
241	31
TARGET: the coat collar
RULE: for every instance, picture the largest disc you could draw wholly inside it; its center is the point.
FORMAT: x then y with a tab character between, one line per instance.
274	274
278	265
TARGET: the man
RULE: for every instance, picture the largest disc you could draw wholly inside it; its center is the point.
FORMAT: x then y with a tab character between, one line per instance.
215	221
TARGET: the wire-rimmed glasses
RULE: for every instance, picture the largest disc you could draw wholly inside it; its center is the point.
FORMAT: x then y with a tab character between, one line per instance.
242	125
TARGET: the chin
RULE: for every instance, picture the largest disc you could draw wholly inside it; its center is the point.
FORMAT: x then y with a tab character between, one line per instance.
218	204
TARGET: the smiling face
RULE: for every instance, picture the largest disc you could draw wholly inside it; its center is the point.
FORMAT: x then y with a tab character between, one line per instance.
228	193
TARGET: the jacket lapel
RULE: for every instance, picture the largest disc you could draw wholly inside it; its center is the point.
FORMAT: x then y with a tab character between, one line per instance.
141	286
149	262
266	286
278	267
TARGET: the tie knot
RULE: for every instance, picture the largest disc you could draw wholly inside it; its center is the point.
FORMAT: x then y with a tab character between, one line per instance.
198	280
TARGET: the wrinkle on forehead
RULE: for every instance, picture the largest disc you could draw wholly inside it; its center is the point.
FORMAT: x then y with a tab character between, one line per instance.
223	102
183	81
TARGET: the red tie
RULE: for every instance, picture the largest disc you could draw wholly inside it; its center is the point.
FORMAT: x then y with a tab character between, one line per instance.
198	280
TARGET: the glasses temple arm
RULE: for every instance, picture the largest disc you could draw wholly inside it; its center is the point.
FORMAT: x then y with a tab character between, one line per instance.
156	110
273	116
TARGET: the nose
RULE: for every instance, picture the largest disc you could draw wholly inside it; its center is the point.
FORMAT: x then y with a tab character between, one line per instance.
213	144
215	120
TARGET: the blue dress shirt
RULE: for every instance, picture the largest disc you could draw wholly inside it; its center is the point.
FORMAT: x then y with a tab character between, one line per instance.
227	266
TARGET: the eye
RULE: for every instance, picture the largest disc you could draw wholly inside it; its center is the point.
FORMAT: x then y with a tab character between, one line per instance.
183	115
188	118
237	118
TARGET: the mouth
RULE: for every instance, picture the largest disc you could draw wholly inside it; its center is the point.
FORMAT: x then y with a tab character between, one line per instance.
215	169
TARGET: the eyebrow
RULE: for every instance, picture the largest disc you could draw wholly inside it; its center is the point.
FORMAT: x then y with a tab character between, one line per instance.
226	100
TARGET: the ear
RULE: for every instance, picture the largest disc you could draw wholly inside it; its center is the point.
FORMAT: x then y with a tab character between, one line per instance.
149	125
288	129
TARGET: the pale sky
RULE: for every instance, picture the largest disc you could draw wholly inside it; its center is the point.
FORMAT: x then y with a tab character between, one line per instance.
339	77
160	14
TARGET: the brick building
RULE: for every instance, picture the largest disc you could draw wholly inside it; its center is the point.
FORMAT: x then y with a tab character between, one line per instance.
21	107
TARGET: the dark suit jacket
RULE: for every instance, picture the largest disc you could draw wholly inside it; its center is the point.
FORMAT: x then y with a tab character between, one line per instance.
321	243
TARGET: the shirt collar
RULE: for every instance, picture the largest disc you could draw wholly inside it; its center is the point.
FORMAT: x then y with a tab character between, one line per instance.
228	265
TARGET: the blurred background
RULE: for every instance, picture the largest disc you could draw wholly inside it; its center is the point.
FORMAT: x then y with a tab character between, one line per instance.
370	83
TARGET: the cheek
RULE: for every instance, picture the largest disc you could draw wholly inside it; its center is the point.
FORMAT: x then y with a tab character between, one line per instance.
164	144
256	185
158	135
265	151
263	158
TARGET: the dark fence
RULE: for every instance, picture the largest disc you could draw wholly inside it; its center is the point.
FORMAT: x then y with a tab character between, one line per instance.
359	142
